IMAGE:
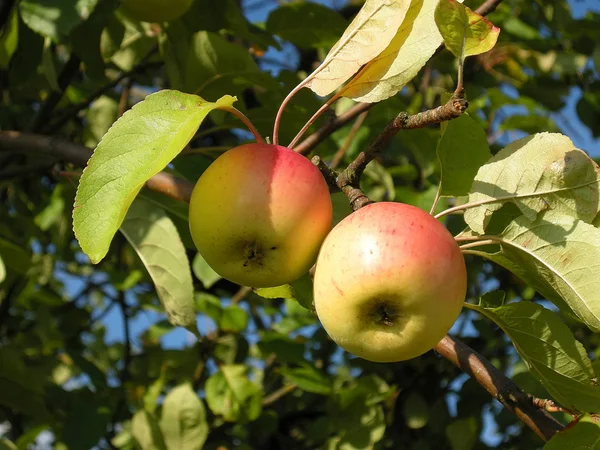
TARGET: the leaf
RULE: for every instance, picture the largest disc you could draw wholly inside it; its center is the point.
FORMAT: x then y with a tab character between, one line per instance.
204	272
585	435
183	419
233	319
85	423
145	430
5	444
416	411
550	351
53	211
367	35
465	32
9	39
55	18
539	172
307	25
231	394
48	67
2	272
300	290
558	256
462	150
413	45
462	433
139	145
309	379
154	237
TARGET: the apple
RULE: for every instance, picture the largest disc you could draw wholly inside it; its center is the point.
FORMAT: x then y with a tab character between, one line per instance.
156	10
390	281
259	214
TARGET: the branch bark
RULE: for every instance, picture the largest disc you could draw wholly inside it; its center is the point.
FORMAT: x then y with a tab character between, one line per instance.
499	386
66	151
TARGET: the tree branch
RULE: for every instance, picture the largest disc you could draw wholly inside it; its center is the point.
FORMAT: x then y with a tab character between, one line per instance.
64	150
499	386
487	7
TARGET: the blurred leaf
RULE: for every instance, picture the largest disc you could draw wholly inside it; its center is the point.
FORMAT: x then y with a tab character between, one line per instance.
5	444
99	118
540	172
584	435
163	125
465	32
300	290
414	43
9	39
154	237
154	391
85	424
285	349
233	319
48	67
588	110
306	25
204	272
53	212
369	33
309	379
183	419
2	271
462	433
550	351
530	123
229	393
146	431
416	411
55	18
554	254
462	150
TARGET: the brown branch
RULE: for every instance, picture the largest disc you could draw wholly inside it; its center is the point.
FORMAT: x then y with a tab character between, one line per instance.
499	386
322	133
487	7
284	390
453	108
64	150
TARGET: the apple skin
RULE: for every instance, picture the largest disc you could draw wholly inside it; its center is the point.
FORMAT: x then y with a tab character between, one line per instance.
259	214
390	282
156	10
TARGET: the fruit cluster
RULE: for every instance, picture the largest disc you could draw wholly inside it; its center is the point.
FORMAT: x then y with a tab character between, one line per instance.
390	280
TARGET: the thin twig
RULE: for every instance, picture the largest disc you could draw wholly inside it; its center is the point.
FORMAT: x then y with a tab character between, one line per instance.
499	386
477	244
279	393
240	294
337	158
487	7
324	132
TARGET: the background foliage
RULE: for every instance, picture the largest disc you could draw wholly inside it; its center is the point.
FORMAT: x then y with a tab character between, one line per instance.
87	357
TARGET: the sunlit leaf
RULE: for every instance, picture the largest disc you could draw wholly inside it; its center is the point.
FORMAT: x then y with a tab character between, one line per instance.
139	145
204	272
309	379
551	353
146	432
539	172
55	18
416	411
465	32
413	45
183	419
369	33
154	237
232	395
9	39
558	256
584	435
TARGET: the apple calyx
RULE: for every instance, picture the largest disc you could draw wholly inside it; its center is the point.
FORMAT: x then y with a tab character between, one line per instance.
385	314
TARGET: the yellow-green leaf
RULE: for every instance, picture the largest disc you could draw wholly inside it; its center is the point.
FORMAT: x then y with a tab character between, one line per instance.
465	32
139	145
367	35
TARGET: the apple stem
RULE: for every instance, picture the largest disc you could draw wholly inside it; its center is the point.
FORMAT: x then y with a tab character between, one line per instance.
240	115
312	120
282	107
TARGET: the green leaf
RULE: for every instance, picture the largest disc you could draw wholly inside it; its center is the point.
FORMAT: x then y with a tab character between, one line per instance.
55	18
86	423
309	379
229	393
300	290
414	44
233	319
585	435
307	25
416	411
154	237
539	172
9	39
2	271
154	390
462	433
204	272
555	254
48	67
139	145
5	444
183	419
462	150
53	211
465	32
146	431
550	351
